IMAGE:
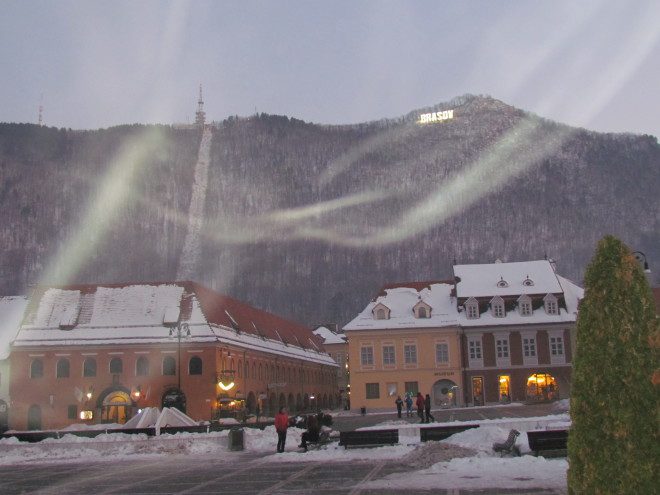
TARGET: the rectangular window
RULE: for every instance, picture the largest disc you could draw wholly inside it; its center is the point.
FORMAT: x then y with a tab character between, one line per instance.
367	356
529	347
72	412
472	311
502	348
373	391
551	307
412	388
525	308
410	353
388	355
441	353
391	388
498	310
474	347
556	346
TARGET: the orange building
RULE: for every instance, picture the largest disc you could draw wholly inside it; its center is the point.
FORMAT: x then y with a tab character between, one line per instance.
99	353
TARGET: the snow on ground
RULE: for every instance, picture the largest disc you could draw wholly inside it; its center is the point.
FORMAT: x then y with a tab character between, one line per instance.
464	460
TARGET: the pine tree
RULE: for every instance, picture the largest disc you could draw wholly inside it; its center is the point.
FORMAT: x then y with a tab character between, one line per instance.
613	443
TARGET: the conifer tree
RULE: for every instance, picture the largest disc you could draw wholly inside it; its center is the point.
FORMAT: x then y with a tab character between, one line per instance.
613	443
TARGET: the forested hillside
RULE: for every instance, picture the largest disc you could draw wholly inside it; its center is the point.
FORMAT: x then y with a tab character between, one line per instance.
309	221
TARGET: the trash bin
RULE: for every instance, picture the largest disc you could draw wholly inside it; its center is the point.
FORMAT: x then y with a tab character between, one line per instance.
363	410
236	439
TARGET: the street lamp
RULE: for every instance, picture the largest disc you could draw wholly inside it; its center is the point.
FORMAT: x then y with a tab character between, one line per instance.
641	258
179	331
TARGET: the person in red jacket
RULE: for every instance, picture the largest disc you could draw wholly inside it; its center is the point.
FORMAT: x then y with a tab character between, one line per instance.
281	425
420	406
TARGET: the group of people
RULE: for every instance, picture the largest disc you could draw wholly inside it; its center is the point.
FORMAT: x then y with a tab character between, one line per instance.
282	425
423	407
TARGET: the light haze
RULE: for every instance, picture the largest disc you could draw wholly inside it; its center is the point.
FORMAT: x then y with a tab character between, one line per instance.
593	64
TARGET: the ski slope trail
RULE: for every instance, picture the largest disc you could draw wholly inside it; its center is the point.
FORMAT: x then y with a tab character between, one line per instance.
191	251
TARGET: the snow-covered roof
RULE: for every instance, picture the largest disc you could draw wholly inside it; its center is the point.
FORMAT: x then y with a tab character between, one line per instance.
144	314
12	309
330	337
573	294
401	300
506	279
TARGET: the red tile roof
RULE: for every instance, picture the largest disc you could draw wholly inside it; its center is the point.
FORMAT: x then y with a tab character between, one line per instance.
217	308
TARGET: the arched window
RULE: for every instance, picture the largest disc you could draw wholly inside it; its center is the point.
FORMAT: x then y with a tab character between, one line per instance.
261	376
116	366
142	366
36	369
195	366
247	369
254	370
239	368
62	368
89	367
169	366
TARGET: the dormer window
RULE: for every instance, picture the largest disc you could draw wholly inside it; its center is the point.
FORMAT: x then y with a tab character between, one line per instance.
471	309
381	312
422	310
525	305
497	307
502	284
551	305
528	282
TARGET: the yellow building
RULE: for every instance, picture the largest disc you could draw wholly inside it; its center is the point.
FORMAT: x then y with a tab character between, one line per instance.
406	340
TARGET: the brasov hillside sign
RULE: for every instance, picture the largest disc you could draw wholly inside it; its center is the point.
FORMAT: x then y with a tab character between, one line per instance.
428	118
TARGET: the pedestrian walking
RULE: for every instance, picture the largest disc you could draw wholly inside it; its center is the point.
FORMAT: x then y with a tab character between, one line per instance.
409	403
427	408
281	425
420	406
399	406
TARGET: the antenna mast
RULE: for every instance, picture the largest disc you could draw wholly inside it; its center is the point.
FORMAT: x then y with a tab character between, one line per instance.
41	110
200	115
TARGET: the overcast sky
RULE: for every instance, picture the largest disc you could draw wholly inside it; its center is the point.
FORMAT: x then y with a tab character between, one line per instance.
594	64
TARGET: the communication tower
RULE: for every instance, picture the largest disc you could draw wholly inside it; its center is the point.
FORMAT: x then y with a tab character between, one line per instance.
200	115
41	111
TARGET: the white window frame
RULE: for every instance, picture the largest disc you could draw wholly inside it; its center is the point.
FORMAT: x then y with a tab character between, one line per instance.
551	304
497	306
445	353
531	355
393	347
472	309
557	347
407	356
366	351
502	349
525	305
475	351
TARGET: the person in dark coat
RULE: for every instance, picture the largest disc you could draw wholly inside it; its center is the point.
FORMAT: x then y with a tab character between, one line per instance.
399	406
281	425
312	433
420	406
409	402
427	408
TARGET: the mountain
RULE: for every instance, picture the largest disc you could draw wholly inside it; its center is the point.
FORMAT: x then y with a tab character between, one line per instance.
309	221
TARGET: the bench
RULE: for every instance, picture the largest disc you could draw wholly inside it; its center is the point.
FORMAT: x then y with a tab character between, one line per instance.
438	433
368	438
509	446
548	443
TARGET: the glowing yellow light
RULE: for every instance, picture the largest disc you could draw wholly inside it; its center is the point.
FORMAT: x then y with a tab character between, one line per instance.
226	387
503	379
89	395
86	415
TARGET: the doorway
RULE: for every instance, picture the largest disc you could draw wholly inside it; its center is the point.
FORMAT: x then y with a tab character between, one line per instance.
478	390
116	407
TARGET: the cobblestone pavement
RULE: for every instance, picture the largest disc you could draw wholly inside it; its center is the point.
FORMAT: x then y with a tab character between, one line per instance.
243	474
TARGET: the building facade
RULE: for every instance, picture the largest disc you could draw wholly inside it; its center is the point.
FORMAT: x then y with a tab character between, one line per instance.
337	346
518	322
497	332
99	353
405	341
12	309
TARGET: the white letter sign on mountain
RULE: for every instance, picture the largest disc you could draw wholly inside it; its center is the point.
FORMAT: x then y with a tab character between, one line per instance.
427	118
